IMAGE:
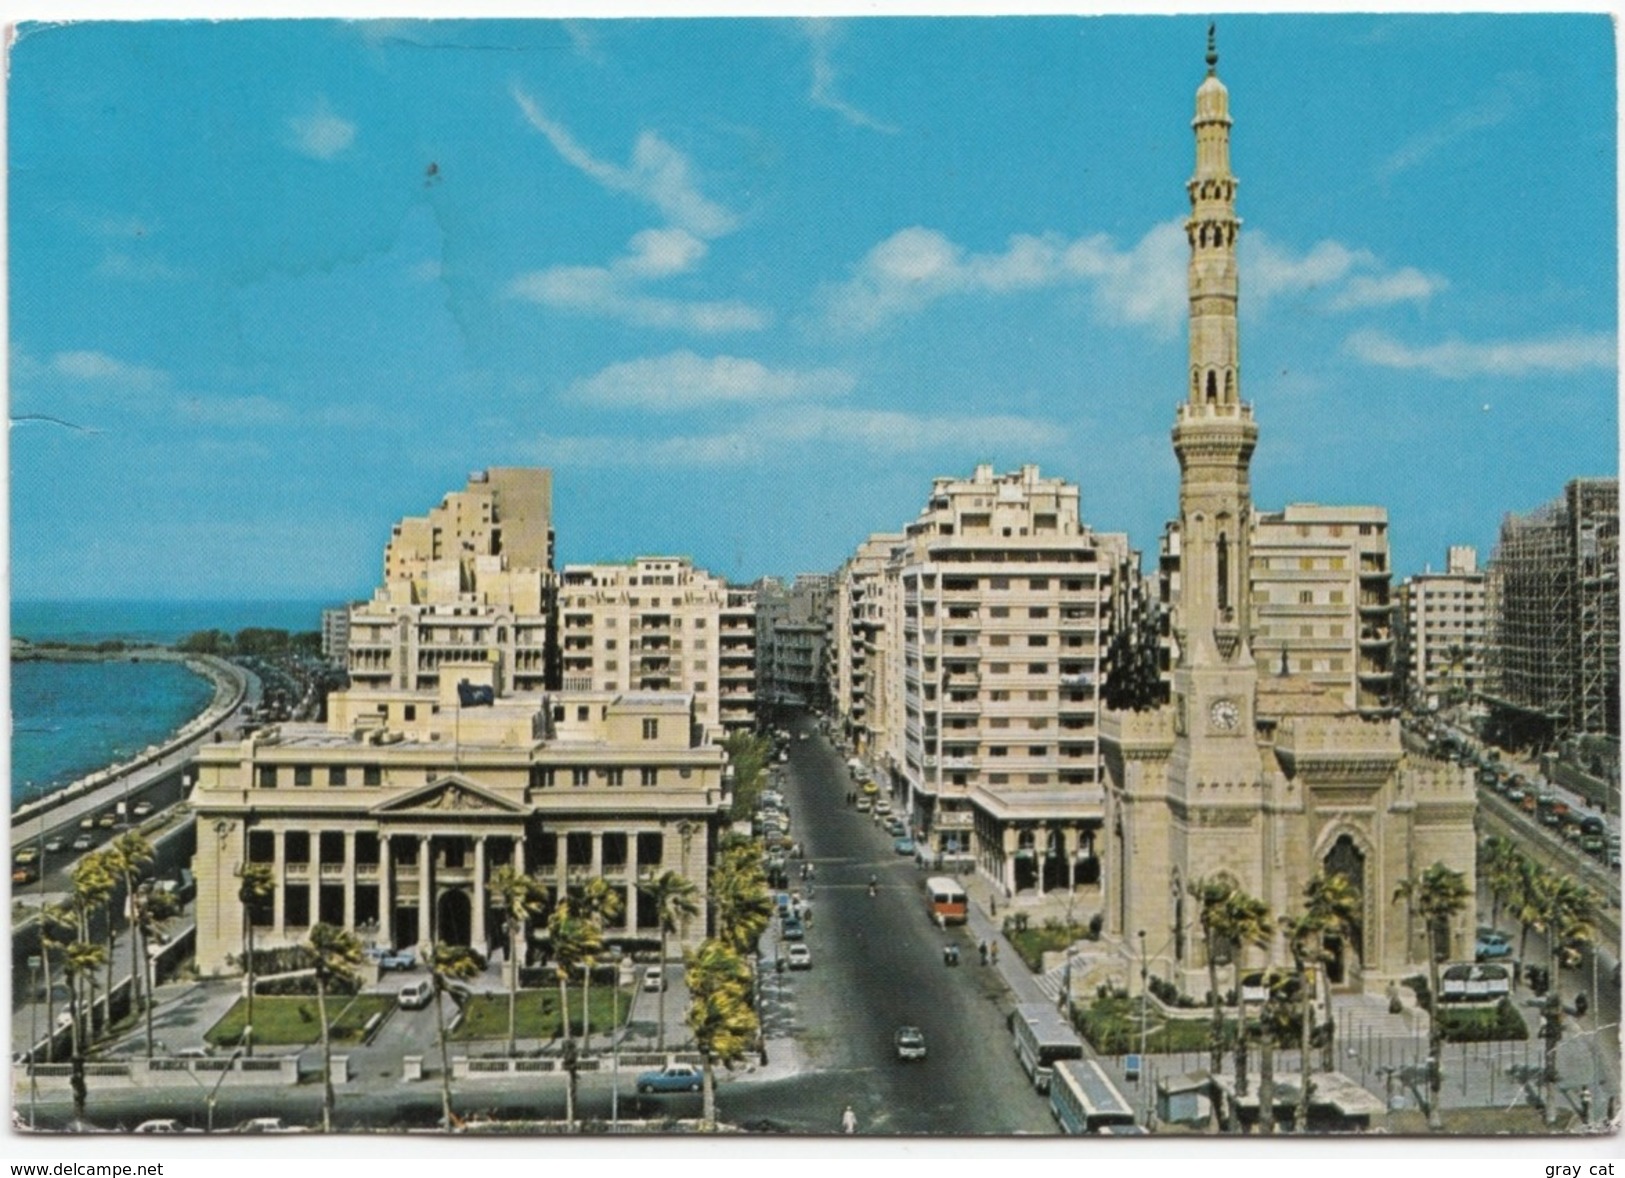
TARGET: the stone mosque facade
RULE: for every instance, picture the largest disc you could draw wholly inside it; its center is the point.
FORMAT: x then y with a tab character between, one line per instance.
1263	775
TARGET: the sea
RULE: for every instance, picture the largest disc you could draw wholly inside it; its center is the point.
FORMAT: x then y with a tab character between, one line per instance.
70	718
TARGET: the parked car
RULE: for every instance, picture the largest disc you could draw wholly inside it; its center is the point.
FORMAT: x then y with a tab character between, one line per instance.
142	808
162	1125
903	846
108	820
26	855
863	804
654	979
883	806
676	1077
267	1125
55	844
416	995
909	1042
1491	945
24	873
83	843
394	959
793	929
800	957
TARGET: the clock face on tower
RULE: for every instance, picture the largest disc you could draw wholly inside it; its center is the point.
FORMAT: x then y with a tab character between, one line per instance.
1225	715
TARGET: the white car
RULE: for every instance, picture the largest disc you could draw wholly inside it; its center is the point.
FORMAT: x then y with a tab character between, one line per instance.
799	956
163	1125
654	979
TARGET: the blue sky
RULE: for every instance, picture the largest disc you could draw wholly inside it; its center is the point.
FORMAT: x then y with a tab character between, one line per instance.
748	285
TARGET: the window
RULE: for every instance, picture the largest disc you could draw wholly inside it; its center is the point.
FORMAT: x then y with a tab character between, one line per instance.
541	777
409	712
612	665
582	713
1306	597
999	722
651	730
1038	583
615	776
609	644
649	776
336	775
267	776
1038	640
1038	668
1038	611
1038	696
998	750
578	777
999	668
999	611
372	775
1037	750
301	774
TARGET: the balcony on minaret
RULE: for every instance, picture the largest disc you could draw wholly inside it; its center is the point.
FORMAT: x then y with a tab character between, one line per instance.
1208	410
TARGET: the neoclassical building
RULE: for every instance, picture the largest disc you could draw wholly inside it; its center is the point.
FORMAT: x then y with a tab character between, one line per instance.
1266	775
391	818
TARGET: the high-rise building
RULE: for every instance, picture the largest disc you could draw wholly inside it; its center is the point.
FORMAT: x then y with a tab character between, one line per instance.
863	625
1005	597
657	623
791	626
1554	580
1265	777
1446	632
473	575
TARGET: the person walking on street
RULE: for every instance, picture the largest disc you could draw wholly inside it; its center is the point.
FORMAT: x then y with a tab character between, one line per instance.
849	1121
983	948
993	953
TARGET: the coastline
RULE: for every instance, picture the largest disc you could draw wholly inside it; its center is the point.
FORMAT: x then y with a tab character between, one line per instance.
230	683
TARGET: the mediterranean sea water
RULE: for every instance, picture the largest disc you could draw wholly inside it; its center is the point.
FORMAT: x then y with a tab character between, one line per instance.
70	718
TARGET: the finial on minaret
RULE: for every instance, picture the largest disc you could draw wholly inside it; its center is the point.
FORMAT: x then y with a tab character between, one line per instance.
1212	49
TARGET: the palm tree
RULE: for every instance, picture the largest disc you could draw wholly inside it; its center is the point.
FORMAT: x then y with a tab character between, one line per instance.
336	954
80	961
1331	907
1240	921
1501	869
1275	1019
1439	895
153	910
92	889
573	940
1570	925
1211	895
523	899
675	902
56	932
255	884
740	897
449	964
127	855
599	903
1530	900
719	1013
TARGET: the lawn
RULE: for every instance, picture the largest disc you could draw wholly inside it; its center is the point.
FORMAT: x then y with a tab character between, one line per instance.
295	1021
1032	943
1112	1025
537	1017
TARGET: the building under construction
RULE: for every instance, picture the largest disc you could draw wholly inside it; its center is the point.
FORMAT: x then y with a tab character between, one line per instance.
1554	608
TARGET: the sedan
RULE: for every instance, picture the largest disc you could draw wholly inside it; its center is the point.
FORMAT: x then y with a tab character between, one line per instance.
162	1126
910	1043
793	929
83	843
677	1077
903	846
1492	944
55	845
142	808
800	957
654	979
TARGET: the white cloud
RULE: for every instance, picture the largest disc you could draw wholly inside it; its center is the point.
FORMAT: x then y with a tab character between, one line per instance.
1350	279
321	134
616	291
1458	359
1143	285
765	437
822	35
657	173
100	368
684	380
1512	93
1407	285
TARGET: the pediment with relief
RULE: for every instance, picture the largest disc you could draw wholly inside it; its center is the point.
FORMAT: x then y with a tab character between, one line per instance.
450	795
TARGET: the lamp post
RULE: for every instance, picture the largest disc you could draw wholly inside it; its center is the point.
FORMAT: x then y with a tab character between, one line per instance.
210	1094
33	1035
615	1043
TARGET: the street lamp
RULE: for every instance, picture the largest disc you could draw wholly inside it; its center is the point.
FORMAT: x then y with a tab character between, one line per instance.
33	1035
211	1093
615	1042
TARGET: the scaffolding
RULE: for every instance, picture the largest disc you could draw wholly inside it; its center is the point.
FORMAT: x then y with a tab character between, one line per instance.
1555	593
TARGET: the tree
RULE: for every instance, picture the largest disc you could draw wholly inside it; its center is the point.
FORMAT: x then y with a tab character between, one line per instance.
1210	895
1501	868
1438	895
1331	907
256	883
449	965
523	899
152	911
1240	921
1570	925
80	961
573	940
676	902
742	904
599	903
336	956
748	754
127	856
719	1013
57	926
93	885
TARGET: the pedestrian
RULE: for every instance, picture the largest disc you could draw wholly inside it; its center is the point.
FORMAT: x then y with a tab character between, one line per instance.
983	948
849	1121
992	905
993	953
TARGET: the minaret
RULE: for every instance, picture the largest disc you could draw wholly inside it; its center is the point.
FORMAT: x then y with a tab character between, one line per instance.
1214	435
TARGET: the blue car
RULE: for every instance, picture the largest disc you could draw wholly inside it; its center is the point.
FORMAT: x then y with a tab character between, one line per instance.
1491	945
677	1077
903	846
793	929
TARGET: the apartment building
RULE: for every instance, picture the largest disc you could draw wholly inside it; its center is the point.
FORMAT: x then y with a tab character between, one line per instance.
473	575
1005	601
1445	631
861	623
391	818
657	623
791	629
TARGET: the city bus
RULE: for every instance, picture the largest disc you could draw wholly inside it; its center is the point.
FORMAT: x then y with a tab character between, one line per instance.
1084	1100
1042	1036
946	899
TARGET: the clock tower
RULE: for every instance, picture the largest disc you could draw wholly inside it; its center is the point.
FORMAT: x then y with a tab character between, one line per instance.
1215	679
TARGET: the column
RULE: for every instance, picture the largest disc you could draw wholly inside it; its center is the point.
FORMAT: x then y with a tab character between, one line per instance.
634	873
279	898
349	880
477	926
386	894
1040	856
425	906
1069	846
519	853
597	853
